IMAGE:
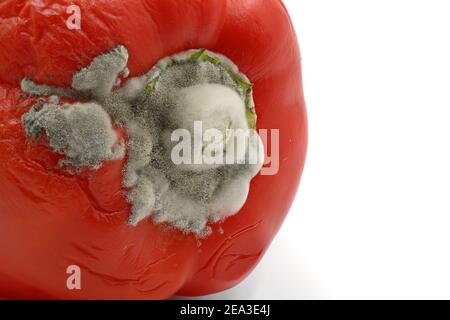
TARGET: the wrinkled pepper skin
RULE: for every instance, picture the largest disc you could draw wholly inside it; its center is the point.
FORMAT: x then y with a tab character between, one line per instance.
50	219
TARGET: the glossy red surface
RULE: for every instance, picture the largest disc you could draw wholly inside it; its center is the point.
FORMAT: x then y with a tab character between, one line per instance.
49	219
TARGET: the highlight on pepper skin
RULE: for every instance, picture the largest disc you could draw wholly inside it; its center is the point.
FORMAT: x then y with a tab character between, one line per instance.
149	161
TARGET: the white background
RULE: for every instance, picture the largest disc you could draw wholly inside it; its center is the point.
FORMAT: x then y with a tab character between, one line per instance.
372	216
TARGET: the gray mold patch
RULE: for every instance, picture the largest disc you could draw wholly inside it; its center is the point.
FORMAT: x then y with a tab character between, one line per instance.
195	85
83	132
102	74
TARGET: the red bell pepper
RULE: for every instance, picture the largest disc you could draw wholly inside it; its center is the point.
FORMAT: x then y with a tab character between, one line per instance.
52	219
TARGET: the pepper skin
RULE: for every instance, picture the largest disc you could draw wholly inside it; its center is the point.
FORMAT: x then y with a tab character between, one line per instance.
50	219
